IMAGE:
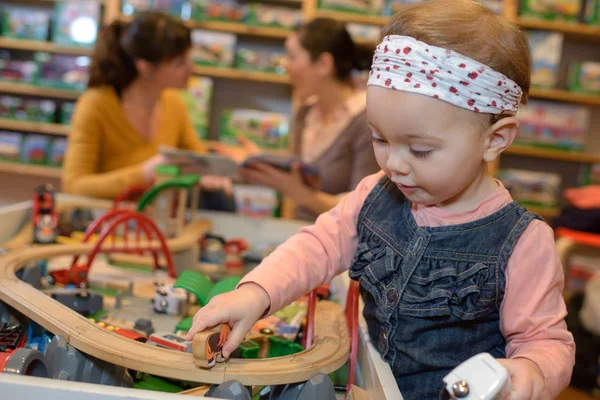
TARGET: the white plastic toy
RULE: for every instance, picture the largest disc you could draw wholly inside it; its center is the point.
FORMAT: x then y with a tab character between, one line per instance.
481	377
168	300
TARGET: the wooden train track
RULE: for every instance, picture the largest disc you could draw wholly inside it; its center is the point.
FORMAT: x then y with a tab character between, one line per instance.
328	354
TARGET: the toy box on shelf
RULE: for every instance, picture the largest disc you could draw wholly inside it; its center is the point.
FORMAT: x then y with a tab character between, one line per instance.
177	8
17	67
131	7
27	109
592	12
219	10
66	112
266	129
56	153
363	33
268	15
213	48
546	49
76	22
371	7
567	10
197	98
10	146
63	71
23	22
585	77
256	201
532	188
35	149
265	61
553	125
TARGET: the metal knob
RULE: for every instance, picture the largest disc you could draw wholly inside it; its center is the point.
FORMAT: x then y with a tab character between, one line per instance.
460	389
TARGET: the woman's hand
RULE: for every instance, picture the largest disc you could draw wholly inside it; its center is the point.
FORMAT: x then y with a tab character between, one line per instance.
240	309
290	184
527	380
213	183
150	165
237	153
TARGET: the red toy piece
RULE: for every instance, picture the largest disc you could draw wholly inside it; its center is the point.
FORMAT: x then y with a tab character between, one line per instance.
45	218
233	253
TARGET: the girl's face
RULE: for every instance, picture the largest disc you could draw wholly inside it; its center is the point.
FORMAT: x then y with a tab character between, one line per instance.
302	70
431	149
174	73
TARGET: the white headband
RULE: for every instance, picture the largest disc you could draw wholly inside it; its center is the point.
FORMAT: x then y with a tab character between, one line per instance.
404	63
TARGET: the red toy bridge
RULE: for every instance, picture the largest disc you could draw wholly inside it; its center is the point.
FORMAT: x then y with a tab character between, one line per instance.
145	237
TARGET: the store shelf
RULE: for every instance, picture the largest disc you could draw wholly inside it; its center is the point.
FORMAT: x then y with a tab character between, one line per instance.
232	73
242	29
353	17
563	95
36	127
38	45
32	90
578	30
553	154
31	170
544	212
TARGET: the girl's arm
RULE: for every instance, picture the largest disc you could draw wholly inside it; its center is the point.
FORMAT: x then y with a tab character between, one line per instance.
532	314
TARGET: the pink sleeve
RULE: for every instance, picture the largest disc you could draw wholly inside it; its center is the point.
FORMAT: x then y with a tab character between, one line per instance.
533	310
314	255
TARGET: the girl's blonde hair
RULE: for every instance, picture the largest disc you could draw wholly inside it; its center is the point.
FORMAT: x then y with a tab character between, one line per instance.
470	29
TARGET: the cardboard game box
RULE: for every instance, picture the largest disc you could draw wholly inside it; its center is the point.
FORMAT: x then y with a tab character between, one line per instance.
76	22
267	129
197	98
22	22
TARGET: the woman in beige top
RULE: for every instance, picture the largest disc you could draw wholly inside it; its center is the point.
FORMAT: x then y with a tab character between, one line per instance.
330	127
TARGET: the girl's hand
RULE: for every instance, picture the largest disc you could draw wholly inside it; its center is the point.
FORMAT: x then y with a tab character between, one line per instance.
240	309
213	183
527	380
290	184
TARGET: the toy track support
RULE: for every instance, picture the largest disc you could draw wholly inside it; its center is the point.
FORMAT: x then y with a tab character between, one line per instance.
132	194
309	328
352	321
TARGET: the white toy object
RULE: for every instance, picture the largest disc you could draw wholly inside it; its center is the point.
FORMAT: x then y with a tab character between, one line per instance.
481	377
168	300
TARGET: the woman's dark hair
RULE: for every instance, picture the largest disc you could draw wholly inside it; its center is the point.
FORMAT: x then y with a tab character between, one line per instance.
325	35
151	36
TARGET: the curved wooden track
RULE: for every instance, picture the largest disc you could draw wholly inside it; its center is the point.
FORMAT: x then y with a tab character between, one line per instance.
329	352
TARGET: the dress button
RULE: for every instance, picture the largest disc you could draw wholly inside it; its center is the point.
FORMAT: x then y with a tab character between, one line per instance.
392	296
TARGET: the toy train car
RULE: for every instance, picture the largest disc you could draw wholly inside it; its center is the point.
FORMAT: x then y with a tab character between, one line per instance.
168	340
82	301
124	332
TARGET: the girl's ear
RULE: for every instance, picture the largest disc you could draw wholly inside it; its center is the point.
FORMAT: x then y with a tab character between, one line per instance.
500	136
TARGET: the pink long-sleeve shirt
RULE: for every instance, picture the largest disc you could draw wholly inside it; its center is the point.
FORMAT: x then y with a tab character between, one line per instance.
532	312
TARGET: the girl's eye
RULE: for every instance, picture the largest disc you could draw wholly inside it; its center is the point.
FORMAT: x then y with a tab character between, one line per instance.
420	153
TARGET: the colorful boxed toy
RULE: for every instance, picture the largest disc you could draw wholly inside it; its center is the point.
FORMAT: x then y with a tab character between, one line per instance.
546	50
76	22
364	33
130	7
177	8
538	189
10	146
567	10
219	10
391	7
66	112
592	12
264	61
17	67
9	105
198	99
56	155
24	22
35	149
266	129
585	77
267	15
63	71
213	48
37	110
372	7
553	125
256	201
285	322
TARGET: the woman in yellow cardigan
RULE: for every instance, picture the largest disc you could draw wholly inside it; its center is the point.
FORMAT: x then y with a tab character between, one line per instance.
131	108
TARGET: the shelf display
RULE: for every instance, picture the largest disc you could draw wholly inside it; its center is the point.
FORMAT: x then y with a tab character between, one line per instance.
63	71
213	48
17	67
267	15
22	22
56	153
35	149
265	61
585	77
371	7
198	98
27	109
76	22
552	125
219	10
10	146
539	189
546	50
567	10
267	130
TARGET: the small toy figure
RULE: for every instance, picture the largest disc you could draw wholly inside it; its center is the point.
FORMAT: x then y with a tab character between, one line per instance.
45	218
169	300
233	253
208	346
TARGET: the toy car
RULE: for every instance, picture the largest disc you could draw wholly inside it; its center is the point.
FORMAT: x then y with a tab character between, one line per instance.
168	340
168	300
77	276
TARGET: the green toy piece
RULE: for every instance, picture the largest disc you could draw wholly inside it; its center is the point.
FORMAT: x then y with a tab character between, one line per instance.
279	347
195	283
249	349
184	325
224	286
180	182
154	383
